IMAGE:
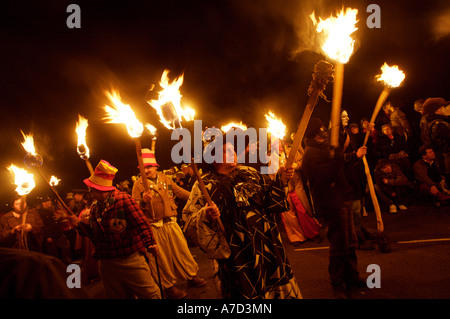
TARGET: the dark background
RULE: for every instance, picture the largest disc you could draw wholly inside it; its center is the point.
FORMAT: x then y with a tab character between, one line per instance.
239	59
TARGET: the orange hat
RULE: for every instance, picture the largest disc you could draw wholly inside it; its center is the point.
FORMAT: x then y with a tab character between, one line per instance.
148	157
102	178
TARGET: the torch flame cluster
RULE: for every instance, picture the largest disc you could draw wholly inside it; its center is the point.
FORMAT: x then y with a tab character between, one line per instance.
122	113
336	31
28	144
168	104
227	127
275	126
82	148
391	75
22	179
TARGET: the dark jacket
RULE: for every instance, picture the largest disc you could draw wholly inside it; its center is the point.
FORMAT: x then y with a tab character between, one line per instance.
427	173
388	146
395	178
435	130
328	184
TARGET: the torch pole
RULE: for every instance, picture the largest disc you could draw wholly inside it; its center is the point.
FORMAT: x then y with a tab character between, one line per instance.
322	74
55	192
381	99
23	240
382	239
206	194
153	145
89	165
137	141
338	85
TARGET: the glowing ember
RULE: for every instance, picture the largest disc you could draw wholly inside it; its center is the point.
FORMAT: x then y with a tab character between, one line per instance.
54	181
391	75
28	144
227	127
122	113
275	126
82	148
168	104
22	179
336	31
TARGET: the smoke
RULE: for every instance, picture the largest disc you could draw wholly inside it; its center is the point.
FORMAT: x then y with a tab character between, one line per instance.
441	25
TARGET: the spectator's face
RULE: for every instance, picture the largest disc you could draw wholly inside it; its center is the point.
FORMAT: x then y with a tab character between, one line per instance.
78	197
387	169
229	156
354	130
252	148
365	125
47	204
430	155
344	118
150	171
387	130
99	195
229	159
17	205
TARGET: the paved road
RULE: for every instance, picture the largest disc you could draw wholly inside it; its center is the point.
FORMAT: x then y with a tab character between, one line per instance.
416	268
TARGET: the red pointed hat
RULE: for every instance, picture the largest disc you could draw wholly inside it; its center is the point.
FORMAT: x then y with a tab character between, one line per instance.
103	176
148	158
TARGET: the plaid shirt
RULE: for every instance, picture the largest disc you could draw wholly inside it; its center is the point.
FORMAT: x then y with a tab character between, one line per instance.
117	227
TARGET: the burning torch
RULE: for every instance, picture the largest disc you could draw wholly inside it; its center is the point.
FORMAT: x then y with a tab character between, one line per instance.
34	160
392	77
82	148
338	46
154	134
277	130
25	184
168	107
123	114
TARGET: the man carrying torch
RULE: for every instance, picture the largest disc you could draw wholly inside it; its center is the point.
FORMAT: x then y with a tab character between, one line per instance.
158	203
331	195
21	227
121	235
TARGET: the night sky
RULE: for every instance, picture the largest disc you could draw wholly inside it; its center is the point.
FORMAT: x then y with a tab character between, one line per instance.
239	60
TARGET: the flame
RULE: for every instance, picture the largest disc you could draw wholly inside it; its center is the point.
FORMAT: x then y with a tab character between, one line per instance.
337	42
189	114
22	179
82	148
168	104
54	181
150	128
28	144
275	126
122	113
391	75
228	126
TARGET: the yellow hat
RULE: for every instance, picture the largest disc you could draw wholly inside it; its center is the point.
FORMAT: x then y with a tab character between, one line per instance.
102	178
